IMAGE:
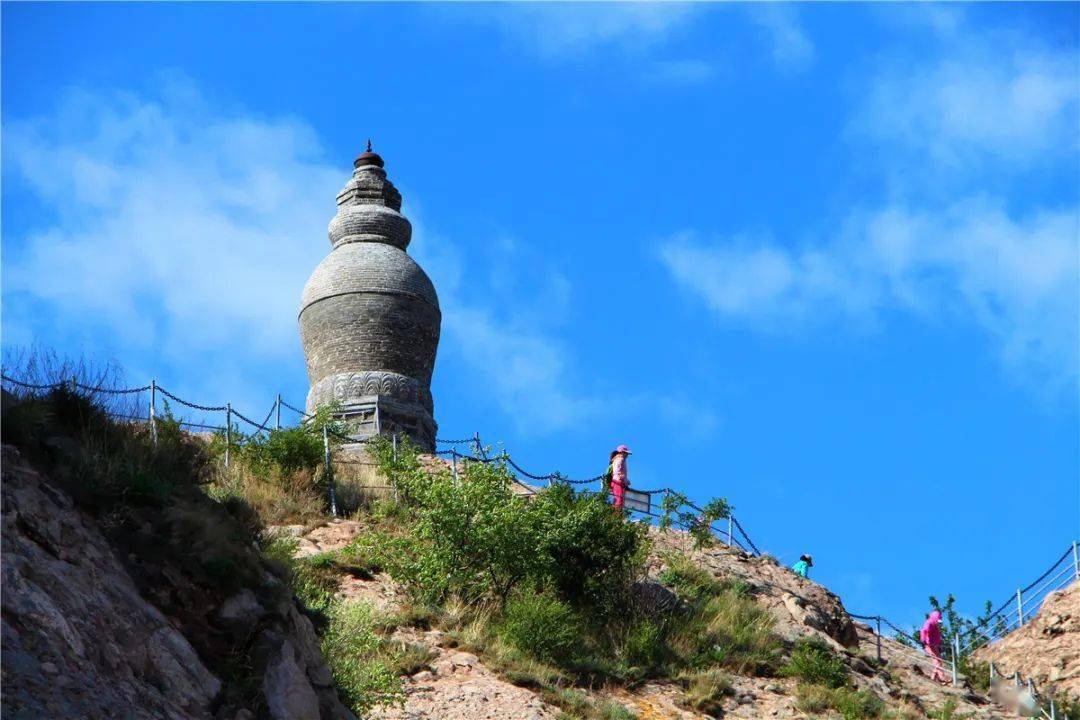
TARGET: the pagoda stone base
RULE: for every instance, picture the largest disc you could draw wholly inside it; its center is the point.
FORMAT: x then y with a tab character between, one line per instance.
371	415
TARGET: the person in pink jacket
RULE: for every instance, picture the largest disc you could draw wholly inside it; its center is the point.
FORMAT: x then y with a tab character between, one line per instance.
930	637
619	479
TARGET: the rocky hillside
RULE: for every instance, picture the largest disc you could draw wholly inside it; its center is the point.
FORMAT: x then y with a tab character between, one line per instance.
82	638
455	683
1047	649
141	581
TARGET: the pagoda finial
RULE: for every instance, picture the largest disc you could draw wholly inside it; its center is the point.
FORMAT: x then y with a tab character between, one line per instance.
368	157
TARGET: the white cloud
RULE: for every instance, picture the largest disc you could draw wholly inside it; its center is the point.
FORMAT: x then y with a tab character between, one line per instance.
949	132
180	236
792	49
171	226
993	101
555	30
1015	277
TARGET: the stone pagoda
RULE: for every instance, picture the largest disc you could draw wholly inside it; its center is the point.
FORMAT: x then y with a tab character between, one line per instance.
369	315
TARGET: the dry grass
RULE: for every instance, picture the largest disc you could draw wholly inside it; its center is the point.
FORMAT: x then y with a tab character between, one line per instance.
294	500
358	484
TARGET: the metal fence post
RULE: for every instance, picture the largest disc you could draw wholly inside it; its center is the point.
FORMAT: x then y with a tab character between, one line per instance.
476	441
395	447
278	411
879	638
730	524
329	471
953	664
153	419
956	651
228	432
1019	608
1076	561
453	460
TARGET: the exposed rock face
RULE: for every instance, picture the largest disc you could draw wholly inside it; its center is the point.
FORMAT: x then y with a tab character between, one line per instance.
369	315
78	640
81	641
796	603
1047	649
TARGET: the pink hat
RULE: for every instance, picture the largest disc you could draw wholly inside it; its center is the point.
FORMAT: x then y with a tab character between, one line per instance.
623	449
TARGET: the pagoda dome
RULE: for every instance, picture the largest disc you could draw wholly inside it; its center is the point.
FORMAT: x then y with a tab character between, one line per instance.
369	315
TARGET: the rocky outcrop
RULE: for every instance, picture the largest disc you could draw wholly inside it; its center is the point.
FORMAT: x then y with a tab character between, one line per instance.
82	639
1047	649
797	604
78	639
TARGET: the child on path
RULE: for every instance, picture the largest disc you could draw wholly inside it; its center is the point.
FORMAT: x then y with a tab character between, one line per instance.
619	478
930	637
802	568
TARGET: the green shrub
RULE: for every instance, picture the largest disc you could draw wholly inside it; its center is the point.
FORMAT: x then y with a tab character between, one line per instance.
813	662
849	703
479	540
285	452
589	553
351	648
644	644
541	625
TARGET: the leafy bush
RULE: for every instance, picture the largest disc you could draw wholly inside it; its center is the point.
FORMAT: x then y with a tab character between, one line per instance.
351	648
541	625
589	553
849	703
813	662
284	452
479	540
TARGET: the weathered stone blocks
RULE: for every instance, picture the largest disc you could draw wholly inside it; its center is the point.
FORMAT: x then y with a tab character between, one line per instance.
369	315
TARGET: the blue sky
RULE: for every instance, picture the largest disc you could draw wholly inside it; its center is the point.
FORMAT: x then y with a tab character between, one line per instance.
819	259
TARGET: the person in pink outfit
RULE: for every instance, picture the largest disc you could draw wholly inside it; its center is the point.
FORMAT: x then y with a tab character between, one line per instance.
930	637
619	479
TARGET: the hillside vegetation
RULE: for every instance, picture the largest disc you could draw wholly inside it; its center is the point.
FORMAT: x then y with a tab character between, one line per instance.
441	595
560	594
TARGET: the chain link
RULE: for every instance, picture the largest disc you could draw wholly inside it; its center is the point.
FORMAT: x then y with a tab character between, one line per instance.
193	406
31	386
248	420
302	414
112	391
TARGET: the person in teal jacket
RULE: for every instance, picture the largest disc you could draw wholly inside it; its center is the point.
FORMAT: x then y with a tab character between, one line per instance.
802	568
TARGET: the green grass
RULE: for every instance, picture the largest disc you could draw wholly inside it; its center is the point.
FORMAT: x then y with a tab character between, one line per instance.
354	654
849	703
706	690
814	663
948	712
